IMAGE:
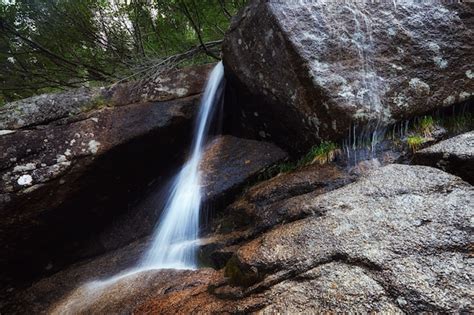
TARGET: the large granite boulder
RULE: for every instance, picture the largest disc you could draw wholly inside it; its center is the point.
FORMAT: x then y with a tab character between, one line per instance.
454	155
72	162
397	240
313	68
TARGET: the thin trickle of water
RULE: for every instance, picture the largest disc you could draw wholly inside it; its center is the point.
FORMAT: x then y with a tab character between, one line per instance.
361	142
175	241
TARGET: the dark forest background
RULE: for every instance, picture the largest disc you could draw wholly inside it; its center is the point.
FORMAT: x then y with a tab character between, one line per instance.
52	45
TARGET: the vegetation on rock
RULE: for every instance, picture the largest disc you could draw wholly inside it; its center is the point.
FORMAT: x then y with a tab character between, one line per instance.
414	142
322	153
426	126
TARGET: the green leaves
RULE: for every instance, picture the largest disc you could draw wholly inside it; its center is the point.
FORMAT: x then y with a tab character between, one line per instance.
53	45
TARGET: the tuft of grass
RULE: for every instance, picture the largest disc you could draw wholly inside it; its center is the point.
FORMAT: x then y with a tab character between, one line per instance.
284	167
414	142
459	123
323	153
426	126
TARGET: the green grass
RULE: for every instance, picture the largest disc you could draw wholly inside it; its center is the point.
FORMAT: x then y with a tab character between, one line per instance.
426	126
321	154
459	123
415	141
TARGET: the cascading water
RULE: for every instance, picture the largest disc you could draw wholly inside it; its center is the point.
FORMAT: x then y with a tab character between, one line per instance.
175	241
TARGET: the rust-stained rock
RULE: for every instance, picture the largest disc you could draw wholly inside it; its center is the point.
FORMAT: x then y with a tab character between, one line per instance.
266	205
230	162
124	295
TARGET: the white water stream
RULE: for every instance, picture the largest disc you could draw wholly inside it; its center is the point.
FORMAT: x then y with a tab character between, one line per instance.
175	241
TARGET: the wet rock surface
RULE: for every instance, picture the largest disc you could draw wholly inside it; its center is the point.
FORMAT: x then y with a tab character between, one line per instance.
107	284
73	162
269	203
315	68
454	155
396	240
230	162
265	205
222	180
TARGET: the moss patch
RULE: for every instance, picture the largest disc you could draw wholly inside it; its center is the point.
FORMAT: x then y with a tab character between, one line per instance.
97	102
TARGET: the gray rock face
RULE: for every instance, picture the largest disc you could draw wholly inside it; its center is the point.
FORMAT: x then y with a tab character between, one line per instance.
314	67
403	232
47	108
455	155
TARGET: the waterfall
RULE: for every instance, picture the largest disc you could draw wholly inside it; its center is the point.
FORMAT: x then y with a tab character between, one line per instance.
175	241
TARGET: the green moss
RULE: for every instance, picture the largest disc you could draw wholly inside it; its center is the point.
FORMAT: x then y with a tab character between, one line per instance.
2	101
97	102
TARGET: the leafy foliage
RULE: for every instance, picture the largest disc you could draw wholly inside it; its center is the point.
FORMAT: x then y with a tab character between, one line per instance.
46	45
